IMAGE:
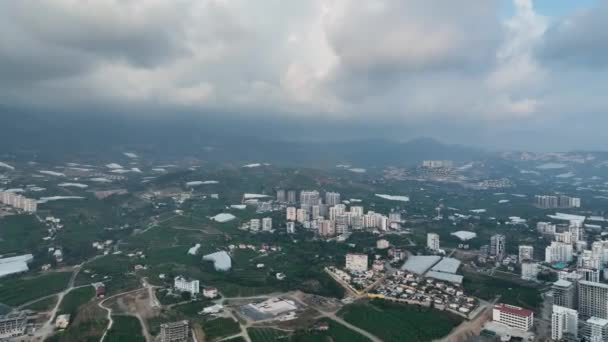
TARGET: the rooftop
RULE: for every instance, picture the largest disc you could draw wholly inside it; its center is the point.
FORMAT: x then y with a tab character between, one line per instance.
515	310
562	283
419	264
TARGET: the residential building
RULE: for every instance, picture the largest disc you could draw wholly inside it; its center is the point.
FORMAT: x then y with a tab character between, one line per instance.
513	316
302	215
356	222
432	241
281	198
327	228
356	262
291	196
316	212
18	201
394	216
254	225
553	202
545	228
291	227
564	293
210	292
589	274
564	237
175	331
558	252
563	321
434	164
267	224
525	253
308	199
12	325
498	246
291	213
529	270
182	284
592	299
332	198
595	330
356	210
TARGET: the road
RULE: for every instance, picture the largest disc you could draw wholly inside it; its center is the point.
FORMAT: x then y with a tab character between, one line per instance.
109	310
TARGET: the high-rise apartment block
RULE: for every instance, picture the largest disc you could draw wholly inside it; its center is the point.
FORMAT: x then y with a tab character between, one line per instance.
525	253
564	321
498	246
332	198
592	299
432	241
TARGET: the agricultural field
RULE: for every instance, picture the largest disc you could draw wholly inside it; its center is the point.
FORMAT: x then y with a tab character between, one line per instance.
336	332
76	298
394	322
21	234
18	291
45	304
220	327
488	288
117	268
267	335
125	329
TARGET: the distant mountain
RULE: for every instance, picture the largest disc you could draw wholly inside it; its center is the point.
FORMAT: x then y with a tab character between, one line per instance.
66	138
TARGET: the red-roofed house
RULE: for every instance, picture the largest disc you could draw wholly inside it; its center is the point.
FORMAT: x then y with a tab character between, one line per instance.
513	316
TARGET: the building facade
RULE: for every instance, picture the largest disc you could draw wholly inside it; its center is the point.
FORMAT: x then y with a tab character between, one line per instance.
513	316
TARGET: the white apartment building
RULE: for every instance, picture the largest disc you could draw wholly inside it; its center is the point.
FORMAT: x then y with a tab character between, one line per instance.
592	299
513	316
332	198
596	330
356	210
291	227
302	215
254	225
291	214
529	270
558	252
356	262
563	320
267	224
432	241
182	284
525	253
309	198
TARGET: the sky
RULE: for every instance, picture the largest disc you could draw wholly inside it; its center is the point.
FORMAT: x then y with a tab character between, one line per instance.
494	73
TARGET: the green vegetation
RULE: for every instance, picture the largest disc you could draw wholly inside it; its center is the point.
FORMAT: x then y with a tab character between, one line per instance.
75	298
394	322
21	234
125	329
267	334
336	332
17	291
220	327
236	339
118	270
45	304
510	292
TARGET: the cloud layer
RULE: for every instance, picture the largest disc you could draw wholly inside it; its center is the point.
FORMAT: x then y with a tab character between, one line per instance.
402	62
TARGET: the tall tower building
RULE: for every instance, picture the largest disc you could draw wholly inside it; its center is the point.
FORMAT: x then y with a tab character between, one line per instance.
564	293
308	199
498	246
592	299
432	241
281	196
291	196
332	198
525	253
564	321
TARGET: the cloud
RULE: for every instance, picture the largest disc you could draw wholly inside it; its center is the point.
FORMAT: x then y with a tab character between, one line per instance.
578	40
397	63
